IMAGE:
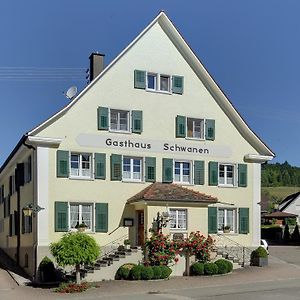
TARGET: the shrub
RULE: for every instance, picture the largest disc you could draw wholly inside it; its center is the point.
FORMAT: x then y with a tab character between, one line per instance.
147	273
47	270
296	234
229	265
165	272
123	271
135	272
259	252
197	269
210	268
222	266
71	287
156	272
286	233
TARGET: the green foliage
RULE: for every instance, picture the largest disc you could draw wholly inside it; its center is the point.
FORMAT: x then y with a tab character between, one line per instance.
165	272
72	287
197	269
156	272
75	248
271	232
291	221
222	266
210	268
296	235
273	175
124	271
259	252
147	273
127	242
135	272
229	265
286	233
47	270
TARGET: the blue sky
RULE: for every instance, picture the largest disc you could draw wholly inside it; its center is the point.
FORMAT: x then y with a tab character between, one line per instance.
250	47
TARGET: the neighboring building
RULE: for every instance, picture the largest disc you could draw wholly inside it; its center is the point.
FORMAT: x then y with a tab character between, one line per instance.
151	133
277	217
291	204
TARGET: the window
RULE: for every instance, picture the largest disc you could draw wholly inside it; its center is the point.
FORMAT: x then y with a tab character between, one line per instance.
158	82
27	170
151	81
27	224
119	120
178	218
195	128
132	168
227	174
81	165
13	184
79	214
227	218
182	170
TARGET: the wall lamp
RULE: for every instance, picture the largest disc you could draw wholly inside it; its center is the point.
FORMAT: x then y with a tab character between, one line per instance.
31	208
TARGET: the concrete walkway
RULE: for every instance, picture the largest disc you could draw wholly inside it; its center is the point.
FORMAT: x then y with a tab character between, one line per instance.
278	270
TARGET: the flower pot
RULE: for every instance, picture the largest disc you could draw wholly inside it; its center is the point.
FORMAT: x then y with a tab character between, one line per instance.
81	229
259	261
226	230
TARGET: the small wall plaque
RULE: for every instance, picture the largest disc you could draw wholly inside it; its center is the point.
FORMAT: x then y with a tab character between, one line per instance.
128	222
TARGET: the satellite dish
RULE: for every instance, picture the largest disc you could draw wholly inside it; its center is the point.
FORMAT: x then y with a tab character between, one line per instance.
71	92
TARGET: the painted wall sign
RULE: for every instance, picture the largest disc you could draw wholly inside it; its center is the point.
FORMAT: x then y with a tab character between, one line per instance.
201	148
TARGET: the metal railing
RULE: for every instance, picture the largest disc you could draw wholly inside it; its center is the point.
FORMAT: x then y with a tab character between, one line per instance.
112	247
233	249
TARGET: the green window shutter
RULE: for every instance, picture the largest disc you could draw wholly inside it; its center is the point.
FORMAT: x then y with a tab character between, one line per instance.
102	118
244	220
199	172
180	126
242	175
23	223
210	130
137	121
212	220
116	167
167	176
150	166
10	185
62	163
101	217
139	79
100	165
177	85
213	173
61	216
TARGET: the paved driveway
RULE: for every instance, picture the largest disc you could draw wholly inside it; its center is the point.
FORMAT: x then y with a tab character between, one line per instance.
289	254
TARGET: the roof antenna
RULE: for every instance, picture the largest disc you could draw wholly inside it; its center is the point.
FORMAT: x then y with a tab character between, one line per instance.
71	92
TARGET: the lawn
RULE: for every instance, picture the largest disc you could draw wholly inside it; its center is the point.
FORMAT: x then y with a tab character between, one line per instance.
279	192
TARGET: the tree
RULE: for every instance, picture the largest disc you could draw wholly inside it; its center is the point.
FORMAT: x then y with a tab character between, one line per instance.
75	249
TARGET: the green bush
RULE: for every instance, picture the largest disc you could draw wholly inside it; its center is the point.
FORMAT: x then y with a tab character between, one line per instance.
147	273
296	235
47	270
197	269
259	252
135	272
222	266
156	272
229	265
165	272
286	233
210	268
123	271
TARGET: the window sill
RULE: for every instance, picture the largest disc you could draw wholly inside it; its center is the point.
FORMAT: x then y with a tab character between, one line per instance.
81	178
180	230
159	92
194	139
119	131
228	233
132	181
227	186
183	183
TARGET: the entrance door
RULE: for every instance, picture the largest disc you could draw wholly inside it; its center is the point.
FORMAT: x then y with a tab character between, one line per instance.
141	228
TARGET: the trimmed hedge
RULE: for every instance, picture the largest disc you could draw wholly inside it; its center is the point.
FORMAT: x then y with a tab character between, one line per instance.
124	271
210	268
222	266
135	272
197	269
165	272
156	272
147	273
229	265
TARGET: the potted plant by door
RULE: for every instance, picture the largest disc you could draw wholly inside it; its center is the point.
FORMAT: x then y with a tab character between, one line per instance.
127	244
226	229
259	257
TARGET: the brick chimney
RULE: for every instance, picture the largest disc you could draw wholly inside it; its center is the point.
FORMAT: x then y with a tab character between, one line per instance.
96	65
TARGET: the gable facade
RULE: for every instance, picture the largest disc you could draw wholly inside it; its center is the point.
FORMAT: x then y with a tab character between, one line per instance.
151	116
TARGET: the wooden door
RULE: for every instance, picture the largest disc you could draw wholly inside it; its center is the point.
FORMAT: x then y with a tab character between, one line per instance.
140	228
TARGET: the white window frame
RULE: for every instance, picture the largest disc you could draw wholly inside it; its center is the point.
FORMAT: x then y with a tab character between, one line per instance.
157	88
118	120
226	184
80	176
131	169
181	171
176	219
202	133
235	219
92	229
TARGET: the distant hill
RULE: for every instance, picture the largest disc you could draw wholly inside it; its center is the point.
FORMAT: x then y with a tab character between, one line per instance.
274	175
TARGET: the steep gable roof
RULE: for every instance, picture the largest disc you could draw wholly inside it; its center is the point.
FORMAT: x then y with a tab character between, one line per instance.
200	71
288	201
